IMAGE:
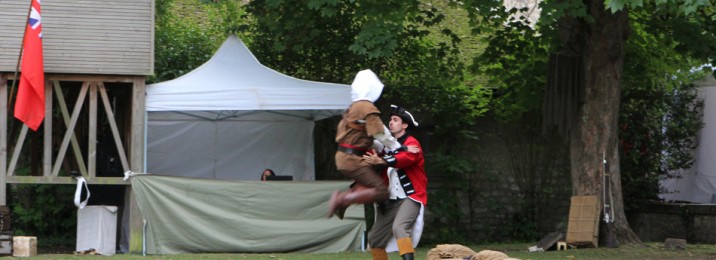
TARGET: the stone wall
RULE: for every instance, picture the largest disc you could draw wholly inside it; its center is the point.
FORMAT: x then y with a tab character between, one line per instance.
520	188
694	222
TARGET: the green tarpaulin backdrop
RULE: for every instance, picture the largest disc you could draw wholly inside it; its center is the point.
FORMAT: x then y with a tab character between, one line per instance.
188	215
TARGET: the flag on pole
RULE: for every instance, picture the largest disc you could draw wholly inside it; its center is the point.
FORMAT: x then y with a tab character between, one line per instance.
30	101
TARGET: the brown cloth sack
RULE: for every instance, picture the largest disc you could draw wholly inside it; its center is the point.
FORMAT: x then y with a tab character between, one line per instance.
490	255
460	252
449	251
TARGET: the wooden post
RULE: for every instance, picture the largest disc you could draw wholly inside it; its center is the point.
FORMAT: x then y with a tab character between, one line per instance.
136	143
92	138
47	142
135	221
136	161
3	139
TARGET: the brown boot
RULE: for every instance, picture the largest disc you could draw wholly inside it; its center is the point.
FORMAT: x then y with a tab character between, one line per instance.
335	204
366	195
405	248
379	254
340	210
359	194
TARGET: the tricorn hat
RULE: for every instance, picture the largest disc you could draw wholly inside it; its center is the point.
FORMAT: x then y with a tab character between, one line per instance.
404	115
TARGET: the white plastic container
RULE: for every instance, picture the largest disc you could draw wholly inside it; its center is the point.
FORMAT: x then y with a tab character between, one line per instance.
97	229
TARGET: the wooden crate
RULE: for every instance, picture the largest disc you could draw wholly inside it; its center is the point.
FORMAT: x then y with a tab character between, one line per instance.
24	246
583	226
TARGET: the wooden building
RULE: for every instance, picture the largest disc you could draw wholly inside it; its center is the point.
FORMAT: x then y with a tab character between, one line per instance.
97	55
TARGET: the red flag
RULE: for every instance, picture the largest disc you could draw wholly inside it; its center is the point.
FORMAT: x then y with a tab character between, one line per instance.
30	101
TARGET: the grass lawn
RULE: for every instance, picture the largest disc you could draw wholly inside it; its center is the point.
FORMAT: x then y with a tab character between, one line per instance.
652	251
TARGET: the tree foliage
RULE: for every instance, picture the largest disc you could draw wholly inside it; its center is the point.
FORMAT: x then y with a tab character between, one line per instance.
659	113
330	40
188	32
41	210
676	7
515	64
655	87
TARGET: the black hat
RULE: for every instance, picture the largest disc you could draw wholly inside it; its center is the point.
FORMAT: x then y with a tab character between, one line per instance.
404	115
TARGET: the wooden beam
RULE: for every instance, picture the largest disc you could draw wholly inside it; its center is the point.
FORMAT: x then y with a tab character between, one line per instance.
16	151
83	78
92	138
3	138
70	131
79	77
66	117
65	180
47	142
113	126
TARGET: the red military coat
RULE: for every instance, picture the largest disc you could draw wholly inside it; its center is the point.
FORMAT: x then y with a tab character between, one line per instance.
413	166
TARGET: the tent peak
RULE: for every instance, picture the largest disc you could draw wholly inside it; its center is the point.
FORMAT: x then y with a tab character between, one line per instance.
233	49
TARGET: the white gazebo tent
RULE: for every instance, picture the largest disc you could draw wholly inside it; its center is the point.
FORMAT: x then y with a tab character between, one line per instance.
233	117
698	183
228	120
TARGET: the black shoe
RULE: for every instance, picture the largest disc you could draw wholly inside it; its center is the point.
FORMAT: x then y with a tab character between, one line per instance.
407	256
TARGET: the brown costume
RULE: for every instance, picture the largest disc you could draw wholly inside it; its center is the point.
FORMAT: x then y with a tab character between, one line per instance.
361	121
356	135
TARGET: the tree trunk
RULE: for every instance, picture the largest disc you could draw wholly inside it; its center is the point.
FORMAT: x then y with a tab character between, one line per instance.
601	46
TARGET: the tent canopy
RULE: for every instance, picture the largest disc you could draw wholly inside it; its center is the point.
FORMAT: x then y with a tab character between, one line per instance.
232	117
233	83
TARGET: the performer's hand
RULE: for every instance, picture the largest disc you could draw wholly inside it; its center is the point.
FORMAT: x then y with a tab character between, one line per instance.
373	158
413	149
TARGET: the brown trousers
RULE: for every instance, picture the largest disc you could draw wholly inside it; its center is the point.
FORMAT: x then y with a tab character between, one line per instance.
351	166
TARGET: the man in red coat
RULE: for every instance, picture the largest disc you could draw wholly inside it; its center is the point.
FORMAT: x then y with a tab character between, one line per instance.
400	219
